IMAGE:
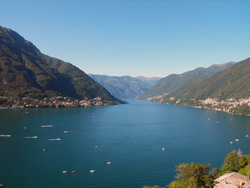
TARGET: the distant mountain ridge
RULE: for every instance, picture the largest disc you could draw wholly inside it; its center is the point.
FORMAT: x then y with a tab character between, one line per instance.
125	87
26	72
227	90
173	81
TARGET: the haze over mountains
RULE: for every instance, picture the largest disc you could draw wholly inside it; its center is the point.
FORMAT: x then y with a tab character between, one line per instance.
26	72
125	87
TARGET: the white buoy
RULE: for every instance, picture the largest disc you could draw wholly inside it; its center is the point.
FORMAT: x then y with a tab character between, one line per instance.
237	140
231	142
162	149
43	149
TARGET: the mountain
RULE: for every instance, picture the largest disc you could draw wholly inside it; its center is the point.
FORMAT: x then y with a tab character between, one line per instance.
227	90
125	87
26	72
173	81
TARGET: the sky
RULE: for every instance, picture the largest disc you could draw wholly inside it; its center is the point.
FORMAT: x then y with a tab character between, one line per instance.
134	37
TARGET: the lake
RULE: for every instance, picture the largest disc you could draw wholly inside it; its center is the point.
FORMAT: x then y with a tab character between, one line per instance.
45	142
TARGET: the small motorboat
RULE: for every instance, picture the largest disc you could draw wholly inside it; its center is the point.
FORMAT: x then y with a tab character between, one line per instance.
64	172
73	172
92	171
108	163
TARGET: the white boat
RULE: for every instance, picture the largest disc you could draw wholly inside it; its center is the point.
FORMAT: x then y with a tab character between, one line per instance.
247	135
108	163
64	172
237	140
92	171
54	139
46	125
96	147
2	135
231	142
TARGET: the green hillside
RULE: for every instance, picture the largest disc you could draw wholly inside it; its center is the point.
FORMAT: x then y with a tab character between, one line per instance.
173	81
229	83
26	72
227	90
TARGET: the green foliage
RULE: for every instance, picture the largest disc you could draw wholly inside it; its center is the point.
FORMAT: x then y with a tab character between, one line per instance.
231	162
192	175
243	161
215	172
248	174
243	109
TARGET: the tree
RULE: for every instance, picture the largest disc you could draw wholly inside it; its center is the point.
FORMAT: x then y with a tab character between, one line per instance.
232	161
243	161
192	175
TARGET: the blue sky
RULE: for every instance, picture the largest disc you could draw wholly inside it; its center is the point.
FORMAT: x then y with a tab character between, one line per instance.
134	37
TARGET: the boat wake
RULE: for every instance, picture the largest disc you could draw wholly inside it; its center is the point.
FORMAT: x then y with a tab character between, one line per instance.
2	135
54	139
46	125
68	131
29	137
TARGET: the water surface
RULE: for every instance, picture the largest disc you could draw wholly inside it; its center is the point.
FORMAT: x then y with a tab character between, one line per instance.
45	142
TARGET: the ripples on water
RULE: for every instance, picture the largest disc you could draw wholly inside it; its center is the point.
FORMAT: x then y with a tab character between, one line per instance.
131	137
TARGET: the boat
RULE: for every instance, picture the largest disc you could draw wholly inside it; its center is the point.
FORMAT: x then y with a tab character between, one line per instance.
73	172
92	171
64	171
1	185
247	135
2	135
231	142
162	149
108	163
96	147
54	139
237	140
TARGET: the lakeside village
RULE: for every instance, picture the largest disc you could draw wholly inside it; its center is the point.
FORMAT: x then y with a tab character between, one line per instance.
52	102
234	106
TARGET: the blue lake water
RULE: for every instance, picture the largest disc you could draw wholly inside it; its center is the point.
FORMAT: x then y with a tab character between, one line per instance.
130	136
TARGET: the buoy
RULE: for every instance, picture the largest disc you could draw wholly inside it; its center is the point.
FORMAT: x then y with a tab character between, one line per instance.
43	149
231	142
162	149
96	147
